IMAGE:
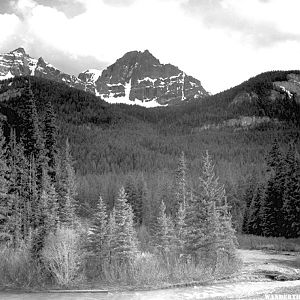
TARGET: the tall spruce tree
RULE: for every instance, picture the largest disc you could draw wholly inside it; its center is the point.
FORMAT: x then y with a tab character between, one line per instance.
125	242
247	199
67	188
291	196
142	203
165	235
50	137
254	216
5	198
19	188
271	211
209	226
31	134
180	227
111	233
97	239
181	185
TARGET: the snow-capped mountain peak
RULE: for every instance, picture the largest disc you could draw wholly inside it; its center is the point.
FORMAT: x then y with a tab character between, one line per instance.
135	78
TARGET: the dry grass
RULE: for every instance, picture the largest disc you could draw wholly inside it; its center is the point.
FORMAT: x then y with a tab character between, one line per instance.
152	270
254	242
17	268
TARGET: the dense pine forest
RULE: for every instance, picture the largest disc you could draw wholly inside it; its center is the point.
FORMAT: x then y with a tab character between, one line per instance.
40	215
126	186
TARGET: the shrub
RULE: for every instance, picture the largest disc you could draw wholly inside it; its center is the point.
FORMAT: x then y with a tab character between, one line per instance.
268	243
17	268
63	257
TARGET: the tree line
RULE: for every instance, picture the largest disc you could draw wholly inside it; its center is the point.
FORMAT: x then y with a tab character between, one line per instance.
274	209
38	185
198	228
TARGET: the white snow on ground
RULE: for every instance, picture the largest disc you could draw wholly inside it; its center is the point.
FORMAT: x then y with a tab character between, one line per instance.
7	76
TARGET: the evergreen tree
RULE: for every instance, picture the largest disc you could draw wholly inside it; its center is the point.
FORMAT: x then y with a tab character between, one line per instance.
49	204
165	235
247	198
97	239
50	137
5	198
140	210
197	211
31	135
291	196
180	227
271	211
19	188
181	185
208	221
111	233
254	217
125	243
67	188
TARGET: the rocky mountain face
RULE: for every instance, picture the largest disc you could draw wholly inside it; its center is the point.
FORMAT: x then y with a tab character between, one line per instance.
136	78
18	63
140	77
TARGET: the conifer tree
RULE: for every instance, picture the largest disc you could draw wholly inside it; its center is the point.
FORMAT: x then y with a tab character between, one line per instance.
181	187
140	210
165	235
271	211
97	238
254	218
34	195
247	197
111	233
66	188
125	243
291	196
5	198
49	204
31	136
209	226
131	193
197	211
19	186
180	227
50	137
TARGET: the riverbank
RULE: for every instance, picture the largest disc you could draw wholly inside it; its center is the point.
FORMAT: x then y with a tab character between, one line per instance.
259	266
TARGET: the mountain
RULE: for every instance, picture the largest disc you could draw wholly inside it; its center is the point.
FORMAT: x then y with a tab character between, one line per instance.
140	77
136	78
18	63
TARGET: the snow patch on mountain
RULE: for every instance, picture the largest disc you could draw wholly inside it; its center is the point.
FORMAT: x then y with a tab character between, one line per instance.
113	98
136	78
6	76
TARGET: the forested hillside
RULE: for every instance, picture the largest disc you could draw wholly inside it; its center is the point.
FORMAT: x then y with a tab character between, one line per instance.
113	144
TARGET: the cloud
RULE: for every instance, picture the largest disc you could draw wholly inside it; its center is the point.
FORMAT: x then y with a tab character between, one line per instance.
249	18
119	2
70	8
220	42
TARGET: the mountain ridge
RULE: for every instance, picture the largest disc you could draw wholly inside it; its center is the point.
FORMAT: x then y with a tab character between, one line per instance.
135	78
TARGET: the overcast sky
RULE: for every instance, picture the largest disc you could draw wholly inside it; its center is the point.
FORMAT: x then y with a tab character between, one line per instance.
220	42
